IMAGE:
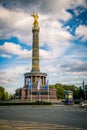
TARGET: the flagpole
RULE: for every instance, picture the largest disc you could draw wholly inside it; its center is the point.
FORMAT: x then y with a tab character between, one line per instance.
30	88
38	87
84	92
31	94
47	88
48	93
39	95
85	95
83	85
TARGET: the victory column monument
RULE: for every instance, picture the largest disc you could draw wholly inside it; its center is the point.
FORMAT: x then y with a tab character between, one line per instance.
35	75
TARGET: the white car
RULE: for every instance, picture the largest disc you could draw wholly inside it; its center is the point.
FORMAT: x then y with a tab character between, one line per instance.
83	104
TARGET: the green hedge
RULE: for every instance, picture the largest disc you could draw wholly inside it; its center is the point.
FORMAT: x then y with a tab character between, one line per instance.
77	101
24	103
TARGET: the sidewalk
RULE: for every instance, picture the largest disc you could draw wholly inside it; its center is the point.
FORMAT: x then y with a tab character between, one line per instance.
26	125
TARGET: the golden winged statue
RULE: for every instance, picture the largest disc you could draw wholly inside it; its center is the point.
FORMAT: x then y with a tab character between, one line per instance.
35	16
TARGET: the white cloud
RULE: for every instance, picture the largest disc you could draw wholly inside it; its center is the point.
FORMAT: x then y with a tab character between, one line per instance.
12	72
81	32
19	23
75	3
52	32
12	77
15	49
45	54
58	62
15	23
5	55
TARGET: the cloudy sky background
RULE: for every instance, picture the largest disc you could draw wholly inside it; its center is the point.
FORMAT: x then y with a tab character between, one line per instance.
62	39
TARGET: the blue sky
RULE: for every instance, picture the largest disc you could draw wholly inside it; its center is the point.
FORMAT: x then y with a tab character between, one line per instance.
62	41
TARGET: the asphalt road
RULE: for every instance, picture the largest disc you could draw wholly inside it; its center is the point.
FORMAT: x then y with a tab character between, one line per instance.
72	116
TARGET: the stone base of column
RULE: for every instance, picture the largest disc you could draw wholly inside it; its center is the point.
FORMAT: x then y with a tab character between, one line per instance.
41	95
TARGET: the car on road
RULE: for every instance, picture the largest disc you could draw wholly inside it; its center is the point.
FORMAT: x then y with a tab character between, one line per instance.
83	104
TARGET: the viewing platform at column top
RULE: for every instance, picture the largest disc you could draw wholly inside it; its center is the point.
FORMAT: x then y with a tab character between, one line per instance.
35	74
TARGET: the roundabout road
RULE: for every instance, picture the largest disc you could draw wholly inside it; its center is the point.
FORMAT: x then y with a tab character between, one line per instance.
64	116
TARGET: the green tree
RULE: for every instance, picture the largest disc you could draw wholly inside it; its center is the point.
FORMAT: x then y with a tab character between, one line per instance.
78	93
69	87
86	92
60	91
0	95
2	89
3	95
51	86
58	85
1	92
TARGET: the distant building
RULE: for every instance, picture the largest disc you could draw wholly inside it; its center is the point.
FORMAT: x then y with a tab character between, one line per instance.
30	90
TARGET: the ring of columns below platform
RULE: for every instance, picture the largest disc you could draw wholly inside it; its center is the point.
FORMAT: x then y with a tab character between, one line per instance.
35	78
